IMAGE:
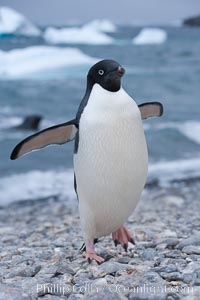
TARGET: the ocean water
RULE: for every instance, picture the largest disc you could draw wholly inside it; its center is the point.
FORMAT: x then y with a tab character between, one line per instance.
53	85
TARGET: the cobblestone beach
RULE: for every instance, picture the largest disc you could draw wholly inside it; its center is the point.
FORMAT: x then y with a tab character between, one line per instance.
40	257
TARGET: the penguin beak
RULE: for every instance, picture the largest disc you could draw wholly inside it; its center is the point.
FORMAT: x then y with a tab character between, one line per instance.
116	74
121	71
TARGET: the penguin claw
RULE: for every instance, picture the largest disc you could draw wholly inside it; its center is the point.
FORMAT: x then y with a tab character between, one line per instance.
123	236
125	246
93	255
116	242
89	260
131	240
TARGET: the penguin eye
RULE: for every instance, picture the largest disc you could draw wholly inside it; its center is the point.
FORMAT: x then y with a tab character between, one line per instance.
101	72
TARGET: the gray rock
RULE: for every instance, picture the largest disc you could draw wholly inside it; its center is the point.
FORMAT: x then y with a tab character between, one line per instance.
110	279
173	276
124	259
53	297
189	278
106	294
64	268
173	296
196	276
75	297
110	267
193	240
173	254
148	254
12	293
174	200
191	249
24	271
166	269
152	278
145	296
170	242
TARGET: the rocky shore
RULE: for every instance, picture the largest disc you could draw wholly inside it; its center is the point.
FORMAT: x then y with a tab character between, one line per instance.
193	21
40	257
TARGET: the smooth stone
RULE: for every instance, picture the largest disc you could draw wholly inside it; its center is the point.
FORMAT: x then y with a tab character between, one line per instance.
12	293
110	268
52	297
4	254
191	249
197	277
152	278
166	269
143	235
64	269
174	200
146	296
24	271
107	294
191	267
99	282
170	242
172	296
124	259
167	234
110	279
173	276
148	254
193	240
6	230
75	297
173	254
188	278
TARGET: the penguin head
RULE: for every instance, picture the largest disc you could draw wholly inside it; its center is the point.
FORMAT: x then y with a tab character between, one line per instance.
106	73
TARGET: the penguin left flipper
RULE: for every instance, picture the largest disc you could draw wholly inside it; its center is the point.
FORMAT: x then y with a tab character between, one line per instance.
58	134
151	109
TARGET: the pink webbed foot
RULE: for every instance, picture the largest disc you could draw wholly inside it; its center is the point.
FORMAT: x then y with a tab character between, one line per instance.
91	254
122	236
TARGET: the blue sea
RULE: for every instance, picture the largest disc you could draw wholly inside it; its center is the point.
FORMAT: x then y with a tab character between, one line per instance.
168	72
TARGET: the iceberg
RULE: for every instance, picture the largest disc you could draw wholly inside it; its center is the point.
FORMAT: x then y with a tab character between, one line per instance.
76	35
148	36
101	25
12	22
21	63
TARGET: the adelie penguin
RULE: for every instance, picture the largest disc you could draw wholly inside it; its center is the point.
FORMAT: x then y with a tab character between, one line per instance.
110	154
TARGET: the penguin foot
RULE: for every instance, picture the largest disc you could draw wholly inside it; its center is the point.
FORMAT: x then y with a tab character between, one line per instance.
91	256
122	236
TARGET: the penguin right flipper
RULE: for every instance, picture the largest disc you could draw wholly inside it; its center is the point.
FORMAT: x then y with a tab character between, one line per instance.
58	134
150	109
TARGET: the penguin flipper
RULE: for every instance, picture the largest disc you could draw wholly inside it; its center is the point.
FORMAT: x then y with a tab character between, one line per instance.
150	109
58	134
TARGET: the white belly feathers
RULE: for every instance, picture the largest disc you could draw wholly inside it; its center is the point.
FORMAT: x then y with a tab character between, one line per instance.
111	163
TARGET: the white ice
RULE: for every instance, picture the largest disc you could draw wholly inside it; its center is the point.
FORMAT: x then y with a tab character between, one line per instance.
19	63
77	35
148	36
12	22
101	25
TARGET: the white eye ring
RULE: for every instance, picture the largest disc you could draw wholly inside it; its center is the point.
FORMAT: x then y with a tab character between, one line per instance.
101	72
